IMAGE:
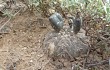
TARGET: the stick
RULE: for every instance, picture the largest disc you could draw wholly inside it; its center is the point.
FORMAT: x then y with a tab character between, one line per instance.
9	19
5	23
99	63
84	64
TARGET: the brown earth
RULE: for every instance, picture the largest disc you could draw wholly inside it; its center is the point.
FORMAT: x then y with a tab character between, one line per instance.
21	47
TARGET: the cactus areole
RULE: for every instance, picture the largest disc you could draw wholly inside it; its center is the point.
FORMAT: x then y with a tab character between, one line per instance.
56	21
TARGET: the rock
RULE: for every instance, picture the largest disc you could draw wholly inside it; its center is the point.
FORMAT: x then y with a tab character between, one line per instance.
64	45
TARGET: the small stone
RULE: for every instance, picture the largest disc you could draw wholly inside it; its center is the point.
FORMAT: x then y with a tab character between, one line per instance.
24	48
39	41
30	36
31	60
59	33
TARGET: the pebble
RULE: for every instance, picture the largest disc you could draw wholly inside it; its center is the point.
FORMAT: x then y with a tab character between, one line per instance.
31	36
24	48
31	60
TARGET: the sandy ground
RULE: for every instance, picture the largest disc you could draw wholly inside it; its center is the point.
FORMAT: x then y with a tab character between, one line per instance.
21	47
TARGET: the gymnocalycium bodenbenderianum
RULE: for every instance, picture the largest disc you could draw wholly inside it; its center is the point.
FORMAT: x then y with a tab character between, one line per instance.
56	21
77	23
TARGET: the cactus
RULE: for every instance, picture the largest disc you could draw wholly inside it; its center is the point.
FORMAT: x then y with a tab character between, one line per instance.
56	21
77	23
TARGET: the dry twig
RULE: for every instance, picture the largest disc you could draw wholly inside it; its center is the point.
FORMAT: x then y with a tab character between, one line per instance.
9	19
97	64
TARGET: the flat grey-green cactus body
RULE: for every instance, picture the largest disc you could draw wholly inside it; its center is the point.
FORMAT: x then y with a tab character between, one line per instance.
77	23
56	21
